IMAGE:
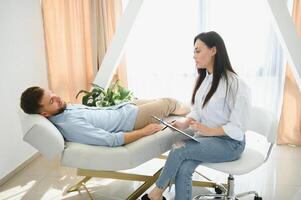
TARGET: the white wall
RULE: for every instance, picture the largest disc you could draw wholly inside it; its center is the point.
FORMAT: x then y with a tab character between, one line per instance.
22	64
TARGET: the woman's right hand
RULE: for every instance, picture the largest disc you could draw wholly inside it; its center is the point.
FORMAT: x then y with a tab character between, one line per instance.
180	125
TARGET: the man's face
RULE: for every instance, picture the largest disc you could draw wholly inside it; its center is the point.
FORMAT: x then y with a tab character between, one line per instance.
51	104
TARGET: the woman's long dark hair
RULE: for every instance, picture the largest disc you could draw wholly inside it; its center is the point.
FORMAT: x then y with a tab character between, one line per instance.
221	64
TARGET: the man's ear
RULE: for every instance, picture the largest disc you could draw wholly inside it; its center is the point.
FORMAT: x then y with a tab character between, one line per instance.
45	114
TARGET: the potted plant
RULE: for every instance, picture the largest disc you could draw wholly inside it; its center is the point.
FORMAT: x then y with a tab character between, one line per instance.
100	97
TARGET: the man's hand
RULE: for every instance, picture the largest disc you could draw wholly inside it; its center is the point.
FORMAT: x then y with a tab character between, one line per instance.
137	134
151	129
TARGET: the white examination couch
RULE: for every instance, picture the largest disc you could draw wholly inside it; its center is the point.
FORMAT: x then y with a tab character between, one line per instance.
98	161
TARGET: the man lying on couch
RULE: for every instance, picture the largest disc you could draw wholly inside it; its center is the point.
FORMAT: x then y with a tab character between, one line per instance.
110	126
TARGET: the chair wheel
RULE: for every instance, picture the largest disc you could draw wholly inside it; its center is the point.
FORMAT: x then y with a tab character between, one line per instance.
218	190
257	198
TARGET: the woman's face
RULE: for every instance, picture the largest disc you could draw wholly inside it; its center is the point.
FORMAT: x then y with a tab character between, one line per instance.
203	55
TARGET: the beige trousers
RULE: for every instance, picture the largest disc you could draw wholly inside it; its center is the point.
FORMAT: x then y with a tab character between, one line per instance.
162	108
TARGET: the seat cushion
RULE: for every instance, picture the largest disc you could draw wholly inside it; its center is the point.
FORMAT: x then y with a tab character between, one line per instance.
118	158
249	160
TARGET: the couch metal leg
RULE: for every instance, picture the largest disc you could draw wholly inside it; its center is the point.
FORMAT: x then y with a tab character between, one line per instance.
79	184
149	182
84	186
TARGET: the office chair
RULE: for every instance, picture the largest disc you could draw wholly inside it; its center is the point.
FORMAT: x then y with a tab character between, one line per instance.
261	122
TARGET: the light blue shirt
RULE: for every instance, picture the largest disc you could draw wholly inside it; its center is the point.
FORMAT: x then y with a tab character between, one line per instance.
229	110
96	126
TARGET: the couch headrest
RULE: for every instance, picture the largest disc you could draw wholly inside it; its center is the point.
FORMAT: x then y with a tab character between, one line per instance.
39	132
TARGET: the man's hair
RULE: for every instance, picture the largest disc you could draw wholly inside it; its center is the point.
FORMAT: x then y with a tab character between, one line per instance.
31	99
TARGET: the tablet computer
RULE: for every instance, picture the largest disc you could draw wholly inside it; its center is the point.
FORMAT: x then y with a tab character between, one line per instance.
174	128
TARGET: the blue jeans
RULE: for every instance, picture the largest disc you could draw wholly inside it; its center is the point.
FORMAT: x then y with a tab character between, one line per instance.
183	160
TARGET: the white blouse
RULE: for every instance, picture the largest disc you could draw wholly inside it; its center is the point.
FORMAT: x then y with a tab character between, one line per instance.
229	112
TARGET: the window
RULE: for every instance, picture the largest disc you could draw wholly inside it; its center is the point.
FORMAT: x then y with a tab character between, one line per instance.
160	49
254	50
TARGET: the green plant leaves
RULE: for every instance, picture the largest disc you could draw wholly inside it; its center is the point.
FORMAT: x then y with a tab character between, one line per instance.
100	97
82	91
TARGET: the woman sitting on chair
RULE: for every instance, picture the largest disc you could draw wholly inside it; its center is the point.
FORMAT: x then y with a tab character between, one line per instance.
220	108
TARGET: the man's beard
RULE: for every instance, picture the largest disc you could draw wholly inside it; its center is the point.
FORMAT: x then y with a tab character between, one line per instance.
62	109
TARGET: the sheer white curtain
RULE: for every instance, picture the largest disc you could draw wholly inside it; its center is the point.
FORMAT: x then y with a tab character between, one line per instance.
254	50
160	49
